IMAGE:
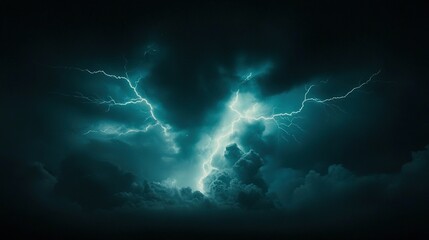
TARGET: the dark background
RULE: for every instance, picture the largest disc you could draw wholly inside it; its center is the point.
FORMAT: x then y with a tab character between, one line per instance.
379	190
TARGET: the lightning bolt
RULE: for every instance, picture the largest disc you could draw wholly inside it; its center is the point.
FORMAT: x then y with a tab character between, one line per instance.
111	102
282	120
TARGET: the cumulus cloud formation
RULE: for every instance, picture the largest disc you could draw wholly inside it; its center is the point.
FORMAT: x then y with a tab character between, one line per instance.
240	184
341	194
338	196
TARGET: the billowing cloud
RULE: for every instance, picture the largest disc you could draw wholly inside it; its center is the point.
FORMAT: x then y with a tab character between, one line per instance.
87	188
240	184
341	194
95	184
345	167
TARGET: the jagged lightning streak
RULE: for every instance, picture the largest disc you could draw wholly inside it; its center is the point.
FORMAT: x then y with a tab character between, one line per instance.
110	102
275	117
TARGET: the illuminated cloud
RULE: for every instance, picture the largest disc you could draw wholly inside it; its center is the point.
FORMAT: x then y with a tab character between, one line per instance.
214	119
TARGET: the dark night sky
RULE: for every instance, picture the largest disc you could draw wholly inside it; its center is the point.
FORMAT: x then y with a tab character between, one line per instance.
356	170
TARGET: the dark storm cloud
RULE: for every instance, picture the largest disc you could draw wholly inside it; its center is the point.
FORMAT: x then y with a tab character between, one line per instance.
369	135
349	172
25	181
306	202
140	154
95	184
341	196
92	183
302	41
239	184
311	46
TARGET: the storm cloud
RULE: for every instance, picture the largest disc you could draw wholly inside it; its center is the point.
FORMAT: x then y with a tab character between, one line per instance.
73	162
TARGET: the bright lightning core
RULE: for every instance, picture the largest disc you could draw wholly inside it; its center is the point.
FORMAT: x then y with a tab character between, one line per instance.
243	108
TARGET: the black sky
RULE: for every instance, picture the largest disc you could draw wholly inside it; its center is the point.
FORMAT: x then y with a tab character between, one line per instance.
359	173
